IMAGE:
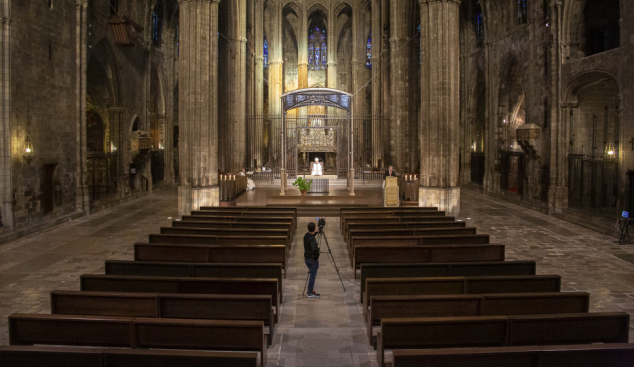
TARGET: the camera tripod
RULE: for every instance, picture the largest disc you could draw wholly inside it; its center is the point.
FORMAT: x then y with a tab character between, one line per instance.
321	234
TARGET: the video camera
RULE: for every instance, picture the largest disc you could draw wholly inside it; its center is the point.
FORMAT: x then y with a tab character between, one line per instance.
321	222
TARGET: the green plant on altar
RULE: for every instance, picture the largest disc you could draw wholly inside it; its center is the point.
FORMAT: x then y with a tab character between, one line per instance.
302	185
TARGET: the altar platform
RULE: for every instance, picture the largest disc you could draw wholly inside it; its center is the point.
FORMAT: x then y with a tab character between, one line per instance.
313	205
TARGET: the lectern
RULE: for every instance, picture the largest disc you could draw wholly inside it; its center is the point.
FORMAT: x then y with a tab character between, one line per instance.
390	193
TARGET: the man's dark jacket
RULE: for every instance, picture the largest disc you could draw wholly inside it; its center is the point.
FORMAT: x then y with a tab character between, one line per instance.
387	174
311	251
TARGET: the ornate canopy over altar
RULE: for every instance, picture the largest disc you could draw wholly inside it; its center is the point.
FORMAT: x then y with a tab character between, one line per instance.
316	97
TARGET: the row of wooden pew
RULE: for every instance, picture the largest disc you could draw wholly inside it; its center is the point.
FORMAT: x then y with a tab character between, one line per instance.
213	291
430	283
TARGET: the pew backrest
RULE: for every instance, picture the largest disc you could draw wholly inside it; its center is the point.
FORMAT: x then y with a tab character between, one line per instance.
211	254
59	356
442	270
459	285
613	355
104	331
497	331
209	270
473	305
427	254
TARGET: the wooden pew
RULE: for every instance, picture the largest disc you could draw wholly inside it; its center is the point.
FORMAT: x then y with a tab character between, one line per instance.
236	225
29	329
595	355
448	228
387	219
211	254
234	219
248	214
374	225
140	284
173	306
441	270
190	239
227	236
38	356
426	254
403	215
498	331
375	287
251	208
434	238
382	307
210	270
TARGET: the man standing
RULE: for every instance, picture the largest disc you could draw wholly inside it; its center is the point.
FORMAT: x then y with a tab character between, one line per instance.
389	173
311	256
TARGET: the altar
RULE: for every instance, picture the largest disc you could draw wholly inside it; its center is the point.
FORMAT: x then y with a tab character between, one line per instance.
320	184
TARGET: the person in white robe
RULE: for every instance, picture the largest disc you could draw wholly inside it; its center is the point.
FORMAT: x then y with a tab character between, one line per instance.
250	183
317	168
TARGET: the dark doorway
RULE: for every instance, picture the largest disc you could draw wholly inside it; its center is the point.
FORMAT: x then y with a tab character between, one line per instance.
512	172
47	188
158	166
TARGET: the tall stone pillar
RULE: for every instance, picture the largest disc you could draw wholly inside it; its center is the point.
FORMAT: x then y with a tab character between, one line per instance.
302	50
377	84
237	88
276	87
198	106
399	130
83	194
440	80
258	30
331	66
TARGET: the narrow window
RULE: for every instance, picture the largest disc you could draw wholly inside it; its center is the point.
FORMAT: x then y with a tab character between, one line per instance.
157	23
368	52
522	16
478	22
266	53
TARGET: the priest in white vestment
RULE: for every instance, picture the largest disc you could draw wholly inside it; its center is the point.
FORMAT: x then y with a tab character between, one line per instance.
317	168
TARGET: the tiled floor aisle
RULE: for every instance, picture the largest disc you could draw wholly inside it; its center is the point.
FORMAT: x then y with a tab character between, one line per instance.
313	332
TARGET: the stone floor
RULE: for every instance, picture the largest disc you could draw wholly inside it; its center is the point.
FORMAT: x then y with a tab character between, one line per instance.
312	332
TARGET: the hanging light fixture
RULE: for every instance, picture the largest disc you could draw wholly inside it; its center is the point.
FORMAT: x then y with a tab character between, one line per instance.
28	148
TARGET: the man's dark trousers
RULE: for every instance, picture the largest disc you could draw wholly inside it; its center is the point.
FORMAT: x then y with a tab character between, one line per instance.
313	265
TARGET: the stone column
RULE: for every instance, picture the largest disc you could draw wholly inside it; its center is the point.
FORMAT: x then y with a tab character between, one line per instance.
6	181
302	50
83	198
399	130
331	66
198	107
276	87
377	83
357	79
237	88
259	79
440	80
558	190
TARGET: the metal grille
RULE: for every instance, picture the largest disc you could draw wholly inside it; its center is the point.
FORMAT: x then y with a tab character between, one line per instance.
593	184
371	145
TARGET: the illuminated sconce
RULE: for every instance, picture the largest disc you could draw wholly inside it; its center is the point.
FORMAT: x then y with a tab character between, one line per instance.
28	149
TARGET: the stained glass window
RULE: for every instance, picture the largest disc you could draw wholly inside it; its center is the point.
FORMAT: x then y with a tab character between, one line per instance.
266	53
522	16
478	22
368	52
420	46
317	51
311	54
157	23
178	40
